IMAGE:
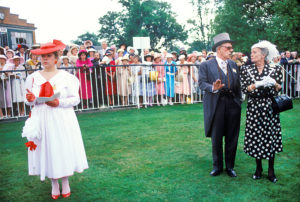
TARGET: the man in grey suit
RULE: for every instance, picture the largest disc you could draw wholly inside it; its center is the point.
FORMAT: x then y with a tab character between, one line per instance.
219	78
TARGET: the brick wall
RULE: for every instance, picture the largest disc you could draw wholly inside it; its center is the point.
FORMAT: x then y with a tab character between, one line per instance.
13	19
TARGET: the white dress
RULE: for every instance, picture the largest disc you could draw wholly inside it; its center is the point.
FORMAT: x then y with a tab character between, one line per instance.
55	130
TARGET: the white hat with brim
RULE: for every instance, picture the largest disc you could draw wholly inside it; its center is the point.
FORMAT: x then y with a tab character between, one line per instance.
3	57
74	47
181	57
88	41
169	55
10	50
125	57
92	50
11	60
64	57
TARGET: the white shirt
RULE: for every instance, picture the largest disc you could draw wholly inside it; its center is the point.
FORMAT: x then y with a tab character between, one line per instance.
222	64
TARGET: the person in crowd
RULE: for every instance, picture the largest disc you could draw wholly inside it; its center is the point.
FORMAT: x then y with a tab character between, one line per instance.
111	86
123	86
219	78
204	53
16	83
182	86
118	61
287	59
294	56
182	51
199	58
33	63
82	47
55	146
136	73
73	55
193	77
174	54
10	54
170	70
234	57
160	87
2	85
7	85
22	52
124	47
98	82
114	52
66	64
146	51
263	132
87	44
164	53
85	90
91	53
131	50
148	85
104	48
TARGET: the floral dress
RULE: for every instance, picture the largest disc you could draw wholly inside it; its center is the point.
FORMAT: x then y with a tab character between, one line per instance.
263	132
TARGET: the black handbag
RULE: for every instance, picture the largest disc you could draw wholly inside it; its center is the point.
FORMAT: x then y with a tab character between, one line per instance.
281	103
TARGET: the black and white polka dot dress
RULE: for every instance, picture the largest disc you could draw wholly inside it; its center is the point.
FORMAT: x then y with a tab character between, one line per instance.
263	132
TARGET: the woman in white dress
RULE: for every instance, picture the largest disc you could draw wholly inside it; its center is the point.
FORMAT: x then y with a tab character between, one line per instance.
55	144
16	82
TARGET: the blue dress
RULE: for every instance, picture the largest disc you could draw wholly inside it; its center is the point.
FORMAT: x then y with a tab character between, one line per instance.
170	77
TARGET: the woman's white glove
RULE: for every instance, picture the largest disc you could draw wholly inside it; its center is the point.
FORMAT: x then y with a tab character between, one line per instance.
269	81
260	83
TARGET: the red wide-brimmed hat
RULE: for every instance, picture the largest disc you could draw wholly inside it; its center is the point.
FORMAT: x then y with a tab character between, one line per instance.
46	48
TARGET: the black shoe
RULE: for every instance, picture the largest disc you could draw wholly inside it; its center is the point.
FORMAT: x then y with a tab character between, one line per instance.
215	172
257	175
231	172
272	178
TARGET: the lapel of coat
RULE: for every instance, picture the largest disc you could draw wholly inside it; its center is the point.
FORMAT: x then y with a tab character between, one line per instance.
214	70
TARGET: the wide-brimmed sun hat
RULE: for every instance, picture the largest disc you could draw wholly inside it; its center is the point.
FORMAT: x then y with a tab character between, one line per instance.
50	47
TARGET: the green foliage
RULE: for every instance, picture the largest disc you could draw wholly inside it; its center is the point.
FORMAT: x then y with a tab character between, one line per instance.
154	154
248	21
142	18
112	27
201	23
87	36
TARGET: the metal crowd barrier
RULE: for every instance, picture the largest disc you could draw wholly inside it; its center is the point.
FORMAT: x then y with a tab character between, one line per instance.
121	86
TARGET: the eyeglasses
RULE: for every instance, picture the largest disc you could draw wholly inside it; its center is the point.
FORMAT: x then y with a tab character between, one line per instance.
228	47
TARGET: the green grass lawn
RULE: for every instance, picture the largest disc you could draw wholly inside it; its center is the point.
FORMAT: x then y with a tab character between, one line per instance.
154	154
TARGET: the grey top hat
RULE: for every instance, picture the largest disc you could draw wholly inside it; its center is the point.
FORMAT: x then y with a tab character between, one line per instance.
220	39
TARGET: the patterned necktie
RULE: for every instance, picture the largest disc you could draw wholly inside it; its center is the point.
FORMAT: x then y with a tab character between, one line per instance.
224	67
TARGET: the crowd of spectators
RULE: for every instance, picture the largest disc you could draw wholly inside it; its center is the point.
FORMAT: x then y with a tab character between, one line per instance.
147	77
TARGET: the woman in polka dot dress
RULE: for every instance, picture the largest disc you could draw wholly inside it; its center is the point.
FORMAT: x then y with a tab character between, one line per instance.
261	82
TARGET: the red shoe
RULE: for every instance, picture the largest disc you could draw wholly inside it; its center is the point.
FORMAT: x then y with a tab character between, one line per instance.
66	195
55	196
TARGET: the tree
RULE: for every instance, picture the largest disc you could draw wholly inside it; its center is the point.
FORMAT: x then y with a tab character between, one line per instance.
112	27
248	21
142	18
87	36
201	23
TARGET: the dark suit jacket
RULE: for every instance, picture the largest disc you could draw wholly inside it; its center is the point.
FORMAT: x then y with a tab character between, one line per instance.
208	74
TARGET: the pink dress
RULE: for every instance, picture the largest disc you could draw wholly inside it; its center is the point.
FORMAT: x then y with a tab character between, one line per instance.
160	87
183	87
85	90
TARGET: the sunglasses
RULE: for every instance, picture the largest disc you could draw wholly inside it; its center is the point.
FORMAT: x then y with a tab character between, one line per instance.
228	47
